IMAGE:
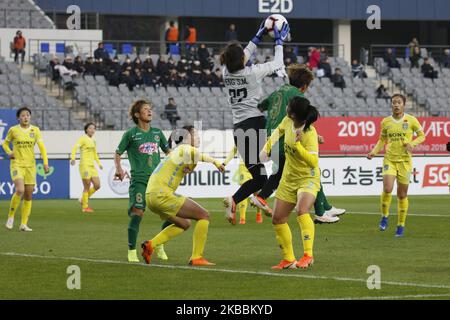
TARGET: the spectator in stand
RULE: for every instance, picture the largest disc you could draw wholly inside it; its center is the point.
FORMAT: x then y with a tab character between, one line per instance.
446	59
114	71
218	79
231	34
90	67
126	78
190	36
192	55
101	53
19	46
324	69
206	79
289	56
64	70
55	73
100	68
183	80
137	64
161	67
171	113
68	63
382	93
148	64
79	65
428	70
171	64
358	70
196	73
138	78
183	65
338	79
415	57
205	57
314	58
127	63
391	59
323	54
172	35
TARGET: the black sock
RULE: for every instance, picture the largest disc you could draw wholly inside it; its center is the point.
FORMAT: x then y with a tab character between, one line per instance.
166	224
259	180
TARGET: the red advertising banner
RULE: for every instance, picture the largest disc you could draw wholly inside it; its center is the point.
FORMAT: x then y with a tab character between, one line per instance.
358	135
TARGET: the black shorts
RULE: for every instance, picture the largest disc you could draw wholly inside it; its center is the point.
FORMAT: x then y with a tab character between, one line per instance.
250	137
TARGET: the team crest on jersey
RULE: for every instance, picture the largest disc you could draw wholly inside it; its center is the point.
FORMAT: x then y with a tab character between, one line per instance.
148	148
32	135
313	173
157	138
386	167
405	125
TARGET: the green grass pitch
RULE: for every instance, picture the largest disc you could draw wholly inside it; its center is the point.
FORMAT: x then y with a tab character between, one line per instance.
33	265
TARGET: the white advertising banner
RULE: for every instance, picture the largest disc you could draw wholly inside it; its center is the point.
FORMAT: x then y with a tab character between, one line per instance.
347	176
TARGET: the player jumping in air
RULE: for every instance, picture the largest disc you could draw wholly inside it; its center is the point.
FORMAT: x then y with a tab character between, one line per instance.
243	86
300	181
397	133
179	210
88	172
23	137
142	144
300	77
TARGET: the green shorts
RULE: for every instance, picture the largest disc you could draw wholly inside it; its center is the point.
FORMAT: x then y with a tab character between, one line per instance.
137	196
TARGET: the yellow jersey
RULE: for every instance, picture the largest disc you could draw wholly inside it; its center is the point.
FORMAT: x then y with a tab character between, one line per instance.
302	157
23	141
88	151
171	171
395	134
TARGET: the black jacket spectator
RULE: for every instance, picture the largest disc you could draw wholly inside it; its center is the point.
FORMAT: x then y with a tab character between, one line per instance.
382	93
217	78
326	67
231	34
90	67
391	59
338	79
192	54
68	63
101	53
428	70
137	64
358	70
138	78
183	66
55	74
127	64
171	113
161	67
446	59
415	57
148	64
127	79
79	65
205	57
289	54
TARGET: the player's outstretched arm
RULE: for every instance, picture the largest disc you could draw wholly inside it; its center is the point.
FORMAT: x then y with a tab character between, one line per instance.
119	171
74	151
230	156
252	45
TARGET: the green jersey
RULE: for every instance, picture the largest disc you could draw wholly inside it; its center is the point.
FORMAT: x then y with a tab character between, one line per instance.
276	105
142	148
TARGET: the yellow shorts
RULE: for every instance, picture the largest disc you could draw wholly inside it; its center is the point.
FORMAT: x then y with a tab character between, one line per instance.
27	174
164	202
244	177
88	172
289	191
401	170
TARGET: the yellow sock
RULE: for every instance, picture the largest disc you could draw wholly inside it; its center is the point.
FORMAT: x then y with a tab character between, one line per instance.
243	209
402	206
91	192
284	239
15	203
165	235
26	211
307	228
386	199
199	238
84	200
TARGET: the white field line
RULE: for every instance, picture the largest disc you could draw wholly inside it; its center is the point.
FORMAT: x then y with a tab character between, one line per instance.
373	214
411	296
257	273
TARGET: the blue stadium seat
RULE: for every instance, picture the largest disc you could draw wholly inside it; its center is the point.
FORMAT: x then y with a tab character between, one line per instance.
60	48
174	49
127	48
45	47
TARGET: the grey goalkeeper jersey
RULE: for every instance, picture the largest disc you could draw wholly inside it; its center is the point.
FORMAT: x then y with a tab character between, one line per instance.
244	89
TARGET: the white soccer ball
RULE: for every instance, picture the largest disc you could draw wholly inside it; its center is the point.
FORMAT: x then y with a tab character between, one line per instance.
277	19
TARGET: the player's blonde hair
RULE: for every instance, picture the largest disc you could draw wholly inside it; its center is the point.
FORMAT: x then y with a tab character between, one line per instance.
136	108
